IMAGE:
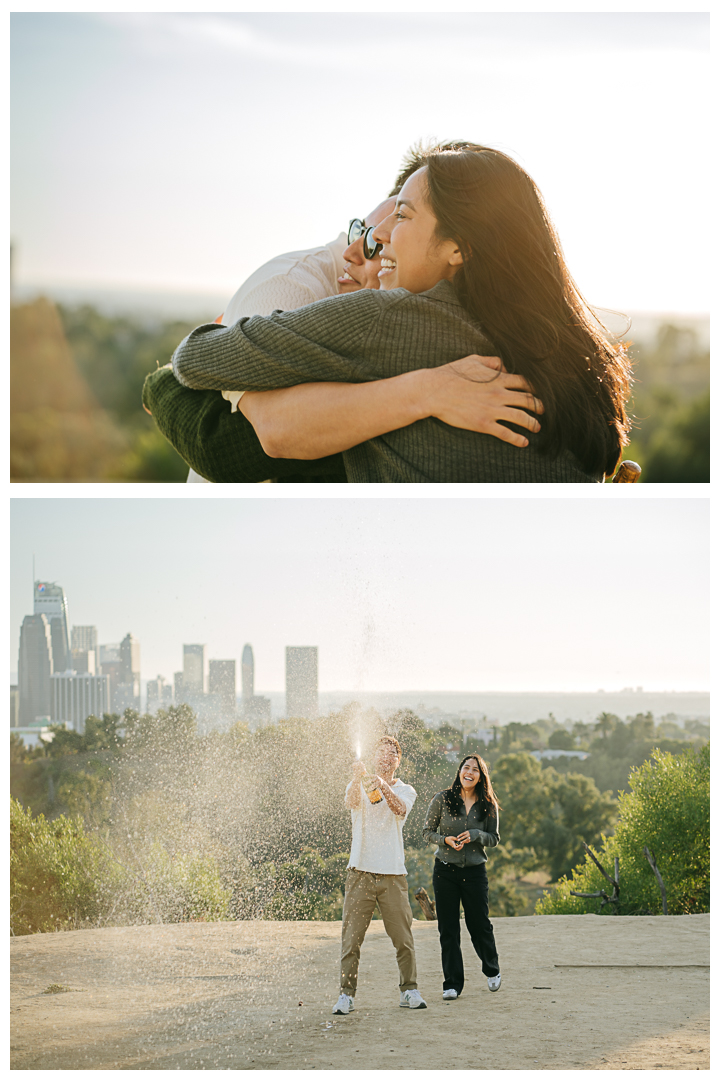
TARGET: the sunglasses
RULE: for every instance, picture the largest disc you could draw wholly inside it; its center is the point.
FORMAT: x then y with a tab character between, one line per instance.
358	228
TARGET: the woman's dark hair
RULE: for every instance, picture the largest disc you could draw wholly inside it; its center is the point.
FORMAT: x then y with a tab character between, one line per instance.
515	283
483	790
416	156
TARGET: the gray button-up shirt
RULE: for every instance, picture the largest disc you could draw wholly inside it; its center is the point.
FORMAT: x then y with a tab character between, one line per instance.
483	828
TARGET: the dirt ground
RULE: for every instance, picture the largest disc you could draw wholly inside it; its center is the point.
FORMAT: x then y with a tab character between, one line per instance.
578	992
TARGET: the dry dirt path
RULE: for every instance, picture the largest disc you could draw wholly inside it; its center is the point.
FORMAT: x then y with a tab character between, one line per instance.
227	996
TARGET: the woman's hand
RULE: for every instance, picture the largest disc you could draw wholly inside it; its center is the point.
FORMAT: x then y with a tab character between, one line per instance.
476	392
463	838
452	841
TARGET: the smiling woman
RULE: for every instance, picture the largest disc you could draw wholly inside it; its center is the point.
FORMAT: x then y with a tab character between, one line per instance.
463	821
414	257
473	266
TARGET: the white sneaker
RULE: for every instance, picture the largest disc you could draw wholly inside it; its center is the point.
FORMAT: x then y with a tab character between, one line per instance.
449	995
411	999
345	1005
494	982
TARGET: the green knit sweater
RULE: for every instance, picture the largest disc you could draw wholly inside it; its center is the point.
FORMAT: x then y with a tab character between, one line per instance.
222	446
362	337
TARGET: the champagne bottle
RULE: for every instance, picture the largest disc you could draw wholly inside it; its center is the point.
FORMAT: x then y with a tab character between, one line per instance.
372	787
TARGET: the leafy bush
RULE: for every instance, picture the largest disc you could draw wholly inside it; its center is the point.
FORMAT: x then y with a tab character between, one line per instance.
64	879
60	879
308	887
667	810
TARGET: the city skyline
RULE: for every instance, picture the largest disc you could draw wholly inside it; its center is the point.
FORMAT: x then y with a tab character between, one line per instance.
374	583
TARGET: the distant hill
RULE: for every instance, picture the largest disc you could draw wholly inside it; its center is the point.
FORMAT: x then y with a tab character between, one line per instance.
523	707
58	431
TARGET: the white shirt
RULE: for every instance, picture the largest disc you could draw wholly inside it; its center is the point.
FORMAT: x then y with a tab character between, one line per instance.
377	838
286	282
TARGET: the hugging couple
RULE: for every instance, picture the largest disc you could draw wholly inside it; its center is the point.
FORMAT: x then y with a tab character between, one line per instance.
462	821
444	342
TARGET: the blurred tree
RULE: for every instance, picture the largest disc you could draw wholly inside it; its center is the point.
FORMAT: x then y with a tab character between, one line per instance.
58	430
561	740
670	437
605	723
679	453
548	812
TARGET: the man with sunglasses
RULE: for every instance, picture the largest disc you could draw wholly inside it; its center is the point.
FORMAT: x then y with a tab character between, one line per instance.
302	277
362	255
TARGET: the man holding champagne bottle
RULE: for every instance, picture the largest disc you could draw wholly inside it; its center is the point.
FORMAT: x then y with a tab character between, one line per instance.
379	804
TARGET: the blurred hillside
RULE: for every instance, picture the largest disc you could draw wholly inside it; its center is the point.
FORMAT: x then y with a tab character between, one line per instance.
671	405
76	380
59	431
77	374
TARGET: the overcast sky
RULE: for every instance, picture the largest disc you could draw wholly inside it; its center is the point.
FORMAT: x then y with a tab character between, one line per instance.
398	594
182	150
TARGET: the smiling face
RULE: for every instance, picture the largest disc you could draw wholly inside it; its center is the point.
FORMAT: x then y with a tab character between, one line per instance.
387	758
412	256
469	775
359	272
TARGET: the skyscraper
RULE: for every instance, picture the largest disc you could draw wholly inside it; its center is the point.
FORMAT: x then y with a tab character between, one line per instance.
127	693
109	663
49	600
301	681
84	650
255	710
121	663
159	694
221	682
193	682
84	638
35	666
75	697
248	673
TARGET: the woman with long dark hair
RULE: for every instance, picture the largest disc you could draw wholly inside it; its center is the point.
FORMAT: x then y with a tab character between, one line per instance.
463	822
471	266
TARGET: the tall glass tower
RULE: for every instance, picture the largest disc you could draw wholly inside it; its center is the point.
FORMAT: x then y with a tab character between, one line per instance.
50	600
248	674
35	666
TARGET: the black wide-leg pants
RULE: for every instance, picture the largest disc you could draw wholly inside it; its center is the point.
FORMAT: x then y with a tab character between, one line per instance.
468	885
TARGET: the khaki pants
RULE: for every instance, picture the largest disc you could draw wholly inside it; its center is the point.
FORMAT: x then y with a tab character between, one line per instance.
362	892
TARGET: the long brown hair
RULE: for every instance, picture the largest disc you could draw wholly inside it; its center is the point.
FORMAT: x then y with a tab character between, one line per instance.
483	789
515	283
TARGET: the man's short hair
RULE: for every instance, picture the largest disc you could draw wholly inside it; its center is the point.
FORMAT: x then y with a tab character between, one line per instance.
417	156
392	741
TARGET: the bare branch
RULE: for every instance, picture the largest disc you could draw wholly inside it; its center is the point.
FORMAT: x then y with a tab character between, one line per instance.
603	872
651	859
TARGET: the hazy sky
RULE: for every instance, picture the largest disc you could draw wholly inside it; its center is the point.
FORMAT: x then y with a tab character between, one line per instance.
182	150
443	594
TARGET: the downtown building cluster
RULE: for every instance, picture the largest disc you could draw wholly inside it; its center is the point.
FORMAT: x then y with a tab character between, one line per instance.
65	675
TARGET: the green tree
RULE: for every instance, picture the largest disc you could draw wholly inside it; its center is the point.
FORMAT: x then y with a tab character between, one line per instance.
679	453
100	734
561	740
548	812
668	810
606	723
